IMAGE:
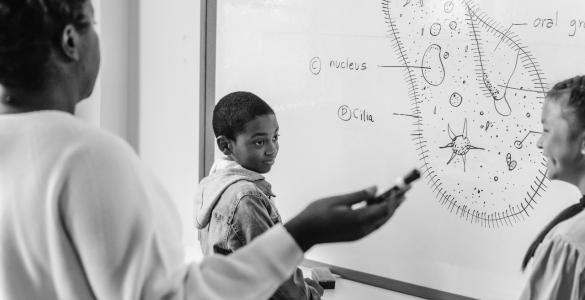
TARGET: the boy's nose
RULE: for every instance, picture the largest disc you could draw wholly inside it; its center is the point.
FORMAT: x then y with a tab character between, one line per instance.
272	149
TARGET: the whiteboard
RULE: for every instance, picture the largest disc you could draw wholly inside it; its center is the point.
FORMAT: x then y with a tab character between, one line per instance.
366	90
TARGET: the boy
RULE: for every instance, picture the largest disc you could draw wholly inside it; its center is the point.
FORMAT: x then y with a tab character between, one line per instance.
235	202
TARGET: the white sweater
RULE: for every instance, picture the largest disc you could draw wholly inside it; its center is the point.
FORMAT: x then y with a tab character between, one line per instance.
82	218
558	266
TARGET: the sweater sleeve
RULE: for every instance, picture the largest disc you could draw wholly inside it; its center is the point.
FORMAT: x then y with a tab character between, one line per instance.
557	272
126	235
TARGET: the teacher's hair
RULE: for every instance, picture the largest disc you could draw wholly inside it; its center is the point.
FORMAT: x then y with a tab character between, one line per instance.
574	112
29	29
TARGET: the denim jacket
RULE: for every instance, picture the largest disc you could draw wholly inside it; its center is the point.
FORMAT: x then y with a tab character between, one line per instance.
232	207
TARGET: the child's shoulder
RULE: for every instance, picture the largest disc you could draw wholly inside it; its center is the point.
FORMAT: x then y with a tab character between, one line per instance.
248	203
571	231
245	188
242	196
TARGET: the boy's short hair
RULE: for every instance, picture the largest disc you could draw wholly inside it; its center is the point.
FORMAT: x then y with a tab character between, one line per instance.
235	110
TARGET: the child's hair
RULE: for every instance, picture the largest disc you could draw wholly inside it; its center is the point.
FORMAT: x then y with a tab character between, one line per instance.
573	110
235	110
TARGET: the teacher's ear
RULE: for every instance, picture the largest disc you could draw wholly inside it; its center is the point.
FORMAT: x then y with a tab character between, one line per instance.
224	144
70	42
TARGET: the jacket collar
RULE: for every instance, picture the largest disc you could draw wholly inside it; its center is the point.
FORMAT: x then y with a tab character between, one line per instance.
223	173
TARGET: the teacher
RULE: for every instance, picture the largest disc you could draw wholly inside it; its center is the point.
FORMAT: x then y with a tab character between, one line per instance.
81	217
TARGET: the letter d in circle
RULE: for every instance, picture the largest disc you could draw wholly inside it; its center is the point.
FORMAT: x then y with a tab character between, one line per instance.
344	113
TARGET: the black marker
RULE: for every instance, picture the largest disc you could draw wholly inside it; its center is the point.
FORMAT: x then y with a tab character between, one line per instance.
402	183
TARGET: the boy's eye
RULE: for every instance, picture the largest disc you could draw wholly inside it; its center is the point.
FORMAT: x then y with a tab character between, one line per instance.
275	138
259	142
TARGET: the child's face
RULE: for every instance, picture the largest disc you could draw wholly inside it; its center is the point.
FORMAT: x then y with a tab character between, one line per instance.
257	146
560	145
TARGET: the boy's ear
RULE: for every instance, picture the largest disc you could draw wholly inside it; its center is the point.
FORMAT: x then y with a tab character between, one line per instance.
224	144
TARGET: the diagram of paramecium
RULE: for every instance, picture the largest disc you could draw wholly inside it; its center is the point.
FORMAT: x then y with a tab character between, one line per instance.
476	92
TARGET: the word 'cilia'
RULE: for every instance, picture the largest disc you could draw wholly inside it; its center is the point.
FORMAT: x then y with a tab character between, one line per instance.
345	113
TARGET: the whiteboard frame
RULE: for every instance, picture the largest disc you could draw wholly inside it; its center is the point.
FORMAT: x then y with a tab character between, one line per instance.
385	282
207	85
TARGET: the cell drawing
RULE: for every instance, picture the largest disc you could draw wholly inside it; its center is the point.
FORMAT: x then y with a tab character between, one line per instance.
448	6
460	144
475	111
455	99
432	65
435	29
511	163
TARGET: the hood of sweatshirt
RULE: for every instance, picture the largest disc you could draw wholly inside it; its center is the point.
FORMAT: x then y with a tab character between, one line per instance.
224	172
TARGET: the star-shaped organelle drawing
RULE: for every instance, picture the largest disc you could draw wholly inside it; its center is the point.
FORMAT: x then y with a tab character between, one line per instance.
460	144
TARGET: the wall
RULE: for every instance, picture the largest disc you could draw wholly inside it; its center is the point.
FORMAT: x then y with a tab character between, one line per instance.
147	91
119	68
169	99
115	99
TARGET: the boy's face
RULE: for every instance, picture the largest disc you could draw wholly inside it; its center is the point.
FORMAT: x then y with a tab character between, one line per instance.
256	147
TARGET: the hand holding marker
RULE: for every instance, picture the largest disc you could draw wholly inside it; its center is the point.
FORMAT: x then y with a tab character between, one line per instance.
397	191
